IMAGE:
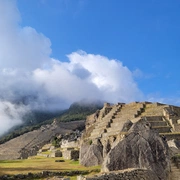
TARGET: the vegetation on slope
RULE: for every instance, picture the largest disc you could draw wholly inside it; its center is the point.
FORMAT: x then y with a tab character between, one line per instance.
79	111
34	120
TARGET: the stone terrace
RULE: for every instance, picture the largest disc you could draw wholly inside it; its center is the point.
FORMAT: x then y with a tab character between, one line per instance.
112	122
161	116
29	143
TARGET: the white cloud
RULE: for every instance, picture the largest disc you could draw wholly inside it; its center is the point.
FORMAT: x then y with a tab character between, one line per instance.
10	115
88	76
20	47
113	80
30	78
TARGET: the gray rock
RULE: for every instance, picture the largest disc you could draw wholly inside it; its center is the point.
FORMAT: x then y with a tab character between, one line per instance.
127	125
91	155
141	148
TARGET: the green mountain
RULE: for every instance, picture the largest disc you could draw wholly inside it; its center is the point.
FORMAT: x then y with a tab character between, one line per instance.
79	111
35	119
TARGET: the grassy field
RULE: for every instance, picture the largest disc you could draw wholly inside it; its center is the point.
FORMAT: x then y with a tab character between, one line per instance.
39	164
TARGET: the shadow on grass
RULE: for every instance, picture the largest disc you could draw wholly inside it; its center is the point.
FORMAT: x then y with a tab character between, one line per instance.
4	170
9	161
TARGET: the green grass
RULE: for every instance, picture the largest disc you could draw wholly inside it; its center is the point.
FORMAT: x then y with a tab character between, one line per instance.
39	164
46	152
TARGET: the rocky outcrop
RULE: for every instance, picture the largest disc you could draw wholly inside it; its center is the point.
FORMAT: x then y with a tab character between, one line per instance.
91	154
142	148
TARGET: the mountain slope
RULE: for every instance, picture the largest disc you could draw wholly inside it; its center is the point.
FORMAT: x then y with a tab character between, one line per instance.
29	143
34	120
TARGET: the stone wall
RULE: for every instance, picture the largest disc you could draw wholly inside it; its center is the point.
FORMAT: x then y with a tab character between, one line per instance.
128	174
56	154
69	144
43	174
71	154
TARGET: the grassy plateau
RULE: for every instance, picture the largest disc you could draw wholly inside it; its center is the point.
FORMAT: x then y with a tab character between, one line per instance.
38	164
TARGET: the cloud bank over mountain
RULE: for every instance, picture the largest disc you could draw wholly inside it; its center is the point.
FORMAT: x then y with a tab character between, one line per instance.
31	79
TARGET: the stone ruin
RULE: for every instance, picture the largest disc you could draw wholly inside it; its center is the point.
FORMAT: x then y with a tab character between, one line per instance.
133	135
70	153
56	153
68	146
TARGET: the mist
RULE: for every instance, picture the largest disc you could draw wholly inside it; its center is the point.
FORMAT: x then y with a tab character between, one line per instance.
33	80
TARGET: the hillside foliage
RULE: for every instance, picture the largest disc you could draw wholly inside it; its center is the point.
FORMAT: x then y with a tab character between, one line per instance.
79	111
34	120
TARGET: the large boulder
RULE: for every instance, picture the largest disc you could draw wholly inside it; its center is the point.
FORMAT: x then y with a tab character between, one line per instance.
91	154
142	148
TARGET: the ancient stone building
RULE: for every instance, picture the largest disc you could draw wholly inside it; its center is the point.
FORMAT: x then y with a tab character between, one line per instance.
113	126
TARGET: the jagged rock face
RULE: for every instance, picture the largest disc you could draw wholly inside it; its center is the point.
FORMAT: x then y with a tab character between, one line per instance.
91	155
141	148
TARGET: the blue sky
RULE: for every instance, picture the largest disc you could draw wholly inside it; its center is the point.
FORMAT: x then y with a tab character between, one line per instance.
143	35
56	52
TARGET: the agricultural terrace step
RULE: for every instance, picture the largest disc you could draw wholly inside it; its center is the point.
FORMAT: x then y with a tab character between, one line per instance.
121	120
158	123
153	118
110	114
124	113
112	133
95	136
162	129
95	131
115	129
135	106
106	118
102	124
171	135
117	124
126	108
133	115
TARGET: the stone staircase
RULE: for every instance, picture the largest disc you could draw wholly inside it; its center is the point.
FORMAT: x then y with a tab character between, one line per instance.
113	122
105	122
156	114
128	112
159	123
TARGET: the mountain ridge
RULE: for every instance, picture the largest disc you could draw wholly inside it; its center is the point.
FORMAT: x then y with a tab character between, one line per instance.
35	119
